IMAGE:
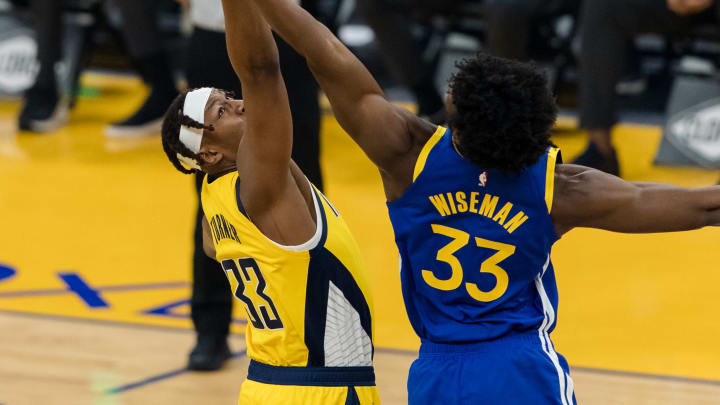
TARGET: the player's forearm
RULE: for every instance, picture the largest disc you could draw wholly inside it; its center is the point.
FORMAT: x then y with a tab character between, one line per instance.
250	44
666	208
586	197
702	198
703	203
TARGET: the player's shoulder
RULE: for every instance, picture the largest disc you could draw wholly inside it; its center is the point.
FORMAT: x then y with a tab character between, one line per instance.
397	173
575	187
570	177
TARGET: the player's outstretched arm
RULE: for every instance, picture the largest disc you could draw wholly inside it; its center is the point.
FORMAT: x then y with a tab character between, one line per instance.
382	130
263	157
589	198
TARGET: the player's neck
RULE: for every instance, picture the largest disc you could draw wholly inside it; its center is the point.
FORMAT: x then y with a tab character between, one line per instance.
221	168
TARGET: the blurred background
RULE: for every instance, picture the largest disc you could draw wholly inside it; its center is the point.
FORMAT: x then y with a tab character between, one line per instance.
105	297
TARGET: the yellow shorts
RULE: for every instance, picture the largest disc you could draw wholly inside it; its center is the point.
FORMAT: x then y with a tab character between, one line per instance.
255	393
273	385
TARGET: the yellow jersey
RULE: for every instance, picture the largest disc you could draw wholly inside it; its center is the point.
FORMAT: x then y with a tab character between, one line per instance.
307	305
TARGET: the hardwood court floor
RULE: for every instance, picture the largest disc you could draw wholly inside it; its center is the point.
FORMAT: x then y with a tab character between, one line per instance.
95	271
121	364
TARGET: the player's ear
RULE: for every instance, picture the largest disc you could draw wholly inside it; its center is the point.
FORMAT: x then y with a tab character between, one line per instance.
450	107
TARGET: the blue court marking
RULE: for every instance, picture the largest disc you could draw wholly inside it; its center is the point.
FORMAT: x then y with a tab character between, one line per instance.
90	296
166	310
6	272
159	377
147	381
110	288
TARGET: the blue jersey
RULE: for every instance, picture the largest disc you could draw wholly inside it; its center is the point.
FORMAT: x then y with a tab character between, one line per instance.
475	247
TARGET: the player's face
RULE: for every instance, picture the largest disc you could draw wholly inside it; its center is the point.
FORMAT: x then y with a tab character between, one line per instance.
227	117
450	111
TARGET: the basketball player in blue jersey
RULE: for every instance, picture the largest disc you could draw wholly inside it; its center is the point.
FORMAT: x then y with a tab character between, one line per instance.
476	209
288	254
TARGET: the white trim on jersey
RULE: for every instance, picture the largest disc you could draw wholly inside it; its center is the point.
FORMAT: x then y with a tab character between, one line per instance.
312	243
564	380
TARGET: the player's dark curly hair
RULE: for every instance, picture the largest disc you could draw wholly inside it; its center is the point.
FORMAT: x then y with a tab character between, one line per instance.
505	111
174	118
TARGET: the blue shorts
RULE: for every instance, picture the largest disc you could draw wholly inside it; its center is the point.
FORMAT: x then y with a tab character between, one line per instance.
519	369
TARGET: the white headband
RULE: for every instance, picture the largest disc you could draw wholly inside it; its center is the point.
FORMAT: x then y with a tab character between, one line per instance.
194	108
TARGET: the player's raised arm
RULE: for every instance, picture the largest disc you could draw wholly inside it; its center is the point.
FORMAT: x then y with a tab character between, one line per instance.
587	197
382	130
263	157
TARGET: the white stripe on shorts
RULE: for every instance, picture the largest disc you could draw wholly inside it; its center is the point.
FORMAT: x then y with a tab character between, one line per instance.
566	384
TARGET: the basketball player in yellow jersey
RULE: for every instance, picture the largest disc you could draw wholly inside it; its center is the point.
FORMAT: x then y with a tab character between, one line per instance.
286	250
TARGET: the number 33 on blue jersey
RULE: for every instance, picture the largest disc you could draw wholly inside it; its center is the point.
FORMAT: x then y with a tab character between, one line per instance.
491	265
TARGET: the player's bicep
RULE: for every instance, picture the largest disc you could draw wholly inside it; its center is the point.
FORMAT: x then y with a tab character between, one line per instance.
586	197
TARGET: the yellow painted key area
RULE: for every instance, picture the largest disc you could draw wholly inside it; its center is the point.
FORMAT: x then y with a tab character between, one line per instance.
102	229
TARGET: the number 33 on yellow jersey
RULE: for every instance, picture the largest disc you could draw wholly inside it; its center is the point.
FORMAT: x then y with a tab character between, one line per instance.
260	308
490	265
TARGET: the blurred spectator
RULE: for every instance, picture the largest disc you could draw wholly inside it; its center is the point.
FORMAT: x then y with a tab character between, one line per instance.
144	44
209	65
392	21
607	30
509	23
508	27
45	109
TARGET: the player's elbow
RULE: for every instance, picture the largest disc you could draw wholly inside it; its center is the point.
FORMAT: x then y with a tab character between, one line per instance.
261	69
258	69
209	249
207	245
